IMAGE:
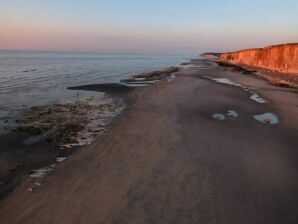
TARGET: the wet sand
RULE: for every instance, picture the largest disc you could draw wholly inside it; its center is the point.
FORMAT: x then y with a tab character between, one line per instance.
35	142
165	159
17	159
41	137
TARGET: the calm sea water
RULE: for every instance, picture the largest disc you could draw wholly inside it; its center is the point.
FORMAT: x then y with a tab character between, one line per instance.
37	78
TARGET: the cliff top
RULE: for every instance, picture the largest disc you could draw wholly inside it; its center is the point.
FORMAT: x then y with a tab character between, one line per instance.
271	46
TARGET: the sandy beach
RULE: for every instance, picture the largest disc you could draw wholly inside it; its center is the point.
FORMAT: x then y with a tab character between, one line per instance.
189	150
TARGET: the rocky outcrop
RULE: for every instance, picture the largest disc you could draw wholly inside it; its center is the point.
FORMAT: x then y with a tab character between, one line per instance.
281	58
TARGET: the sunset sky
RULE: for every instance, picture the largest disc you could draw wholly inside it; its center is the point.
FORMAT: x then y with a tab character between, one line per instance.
146	26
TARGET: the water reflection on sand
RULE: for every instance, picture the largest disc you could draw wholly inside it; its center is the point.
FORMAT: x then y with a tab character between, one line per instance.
267	118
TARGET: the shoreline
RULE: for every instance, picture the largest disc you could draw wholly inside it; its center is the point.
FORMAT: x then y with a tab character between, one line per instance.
35	152
171	150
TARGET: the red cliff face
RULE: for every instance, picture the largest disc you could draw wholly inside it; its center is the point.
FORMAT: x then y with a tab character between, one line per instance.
282	58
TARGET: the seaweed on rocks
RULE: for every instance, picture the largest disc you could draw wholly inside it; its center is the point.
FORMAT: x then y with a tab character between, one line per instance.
70	123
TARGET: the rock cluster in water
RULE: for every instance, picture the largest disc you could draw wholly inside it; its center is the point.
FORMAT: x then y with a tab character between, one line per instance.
145	78
68	124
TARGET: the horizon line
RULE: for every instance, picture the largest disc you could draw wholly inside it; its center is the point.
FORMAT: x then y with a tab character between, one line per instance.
95	52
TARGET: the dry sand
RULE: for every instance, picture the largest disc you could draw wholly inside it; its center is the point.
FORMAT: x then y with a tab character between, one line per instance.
166	160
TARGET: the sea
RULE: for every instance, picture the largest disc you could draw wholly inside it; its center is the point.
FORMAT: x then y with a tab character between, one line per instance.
30	79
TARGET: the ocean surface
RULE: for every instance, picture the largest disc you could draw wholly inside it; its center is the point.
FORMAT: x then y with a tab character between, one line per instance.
38	78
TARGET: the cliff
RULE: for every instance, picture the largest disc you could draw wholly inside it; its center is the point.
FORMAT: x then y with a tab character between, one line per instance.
281	58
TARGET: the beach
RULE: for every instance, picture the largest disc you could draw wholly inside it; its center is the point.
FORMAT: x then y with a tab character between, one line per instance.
42	121
213	145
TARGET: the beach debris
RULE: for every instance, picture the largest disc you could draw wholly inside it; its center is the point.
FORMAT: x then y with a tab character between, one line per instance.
267	118
30	189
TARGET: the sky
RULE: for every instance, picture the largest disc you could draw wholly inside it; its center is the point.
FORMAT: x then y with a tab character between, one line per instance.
180	27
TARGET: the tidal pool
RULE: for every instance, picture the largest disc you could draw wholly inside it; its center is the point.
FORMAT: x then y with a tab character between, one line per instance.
219	117
257	98
223	81
254	96
232	114
267	118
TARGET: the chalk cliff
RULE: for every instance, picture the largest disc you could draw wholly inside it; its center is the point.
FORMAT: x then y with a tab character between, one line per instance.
281	58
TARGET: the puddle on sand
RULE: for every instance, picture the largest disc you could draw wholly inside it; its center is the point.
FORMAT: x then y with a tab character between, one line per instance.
257	98
254	96
232	114
223	81
219	117
267	118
